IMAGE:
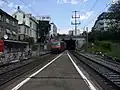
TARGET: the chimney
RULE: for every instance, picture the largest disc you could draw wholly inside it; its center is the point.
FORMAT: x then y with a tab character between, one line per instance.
30	15
18	7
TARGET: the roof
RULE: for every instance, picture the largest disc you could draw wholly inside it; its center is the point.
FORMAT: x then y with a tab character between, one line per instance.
8	15
33	19
20	11
23	25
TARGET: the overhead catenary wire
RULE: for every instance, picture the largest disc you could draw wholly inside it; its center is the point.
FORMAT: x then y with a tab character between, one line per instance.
29	7
94	4
98	14
5	1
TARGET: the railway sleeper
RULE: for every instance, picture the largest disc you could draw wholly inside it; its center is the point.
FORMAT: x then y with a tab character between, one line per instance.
96	66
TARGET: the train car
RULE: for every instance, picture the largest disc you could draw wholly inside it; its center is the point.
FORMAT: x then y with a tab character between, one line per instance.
58	46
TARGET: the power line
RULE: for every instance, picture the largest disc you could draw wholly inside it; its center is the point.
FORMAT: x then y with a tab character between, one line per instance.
29	7
98	13
94	4
7	3
23	3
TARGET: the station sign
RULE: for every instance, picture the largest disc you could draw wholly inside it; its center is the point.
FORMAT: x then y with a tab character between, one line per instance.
44	18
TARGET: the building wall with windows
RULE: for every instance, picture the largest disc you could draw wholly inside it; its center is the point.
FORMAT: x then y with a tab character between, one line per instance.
103	21
33	27
72	32
26	20
53	30
8	26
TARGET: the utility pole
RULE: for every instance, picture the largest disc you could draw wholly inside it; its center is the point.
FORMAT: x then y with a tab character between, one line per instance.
75	17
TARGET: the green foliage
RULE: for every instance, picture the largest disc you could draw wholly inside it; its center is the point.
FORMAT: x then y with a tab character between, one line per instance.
101	46
105	45
43	29
113	31
115	7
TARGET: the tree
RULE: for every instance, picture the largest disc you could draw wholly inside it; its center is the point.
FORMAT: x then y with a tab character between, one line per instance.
112	31
43	29
115	7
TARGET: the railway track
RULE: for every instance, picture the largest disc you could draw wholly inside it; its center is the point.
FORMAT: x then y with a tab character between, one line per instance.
13	73
109	64
107	70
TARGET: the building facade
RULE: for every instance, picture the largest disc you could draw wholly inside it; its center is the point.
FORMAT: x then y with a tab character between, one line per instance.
104	21
27	24
72	32
53	30
8	26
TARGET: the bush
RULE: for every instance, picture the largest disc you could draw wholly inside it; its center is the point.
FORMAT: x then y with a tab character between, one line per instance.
105	45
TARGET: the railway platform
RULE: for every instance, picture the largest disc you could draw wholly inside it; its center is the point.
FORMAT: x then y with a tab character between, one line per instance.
61	73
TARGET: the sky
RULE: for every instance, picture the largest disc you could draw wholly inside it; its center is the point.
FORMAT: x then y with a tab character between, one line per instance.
61	11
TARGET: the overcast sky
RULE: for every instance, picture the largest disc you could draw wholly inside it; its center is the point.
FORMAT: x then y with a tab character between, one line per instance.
60	10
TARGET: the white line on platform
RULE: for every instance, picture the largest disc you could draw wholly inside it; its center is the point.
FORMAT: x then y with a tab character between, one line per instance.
89	84
27	79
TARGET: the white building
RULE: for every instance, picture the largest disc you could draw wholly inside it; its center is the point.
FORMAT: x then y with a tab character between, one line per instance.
103	22
72	32
27	24
53	30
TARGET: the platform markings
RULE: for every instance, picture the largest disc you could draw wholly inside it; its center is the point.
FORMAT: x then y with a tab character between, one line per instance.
89	84
27	79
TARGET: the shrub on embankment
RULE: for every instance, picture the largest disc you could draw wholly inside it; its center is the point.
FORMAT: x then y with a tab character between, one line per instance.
106	47
100	46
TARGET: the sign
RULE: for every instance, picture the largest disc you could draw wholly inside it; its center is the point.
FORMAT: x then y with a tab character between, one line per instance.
44	18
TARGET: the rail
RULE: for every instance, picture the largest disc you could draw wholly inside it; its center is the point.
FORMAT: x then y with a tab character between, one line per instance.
106	69
9	72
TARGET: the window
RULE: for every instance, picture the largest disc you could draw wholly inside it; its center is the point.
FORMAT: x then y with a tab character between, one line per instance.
1	33
24	30
7	20
24	22
30	32
15	16
0	29
1	18
19	29
43	17
30	24
27	30
23	15
47	17
13	23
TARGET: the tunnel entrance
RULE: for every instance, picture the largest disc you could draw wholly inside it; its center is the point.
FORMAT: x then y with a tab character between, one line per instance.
70	44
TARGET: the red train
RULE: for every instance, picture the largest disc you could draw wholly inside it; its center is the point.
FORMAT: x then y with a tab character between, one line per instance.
57	46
